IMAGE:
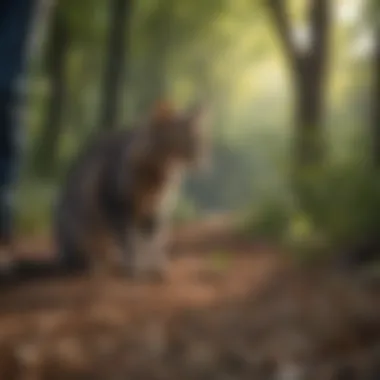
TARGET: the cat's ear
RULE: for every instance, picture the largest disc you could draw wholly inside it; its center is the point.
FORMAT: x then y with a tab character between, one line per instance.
195	111
162	112
198	115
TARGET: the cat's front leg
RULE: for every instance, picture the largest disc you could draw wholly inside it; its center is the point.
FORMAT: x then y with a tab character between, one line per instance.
134	253
159	254
155	255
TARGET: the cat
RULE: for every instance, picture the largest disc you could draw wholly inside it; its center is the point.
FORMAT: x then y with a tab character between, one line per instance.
115	206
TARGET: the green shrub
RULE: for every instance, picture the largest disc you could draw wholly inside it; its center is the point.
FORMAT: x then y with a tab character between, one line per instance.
340	206
269	220
348	208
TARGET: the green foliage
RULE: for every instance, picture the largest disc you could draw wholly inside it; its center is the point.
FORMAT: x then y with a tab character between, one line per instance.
94	11
269	220
343	207
34	202
349	204
224	52
303	241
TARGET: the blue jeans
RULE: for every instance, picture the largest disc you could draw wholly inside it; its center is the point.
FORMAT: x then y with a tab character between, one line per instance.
15	20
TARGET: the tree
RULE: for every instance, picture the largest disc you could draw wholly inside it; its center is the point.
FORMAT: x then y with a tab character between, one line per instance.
56	70
119	22
309	73
376	96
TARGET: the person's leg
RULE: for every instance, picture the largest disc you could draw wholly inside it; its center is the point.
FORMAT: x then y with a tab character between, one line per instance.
15	20
7	152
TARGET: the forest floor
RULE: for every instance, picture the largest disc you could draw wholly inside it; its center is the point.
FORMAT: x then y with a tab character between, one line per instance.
230	309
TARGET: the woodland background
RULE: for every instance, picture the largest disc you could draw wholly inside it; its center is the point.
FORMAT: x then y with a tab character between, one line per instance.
295	92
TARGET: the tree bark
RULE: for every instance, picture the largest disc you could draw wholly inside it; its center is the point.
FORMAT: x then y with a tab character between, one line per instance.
376	103
115	68
309	139
56	59
309	73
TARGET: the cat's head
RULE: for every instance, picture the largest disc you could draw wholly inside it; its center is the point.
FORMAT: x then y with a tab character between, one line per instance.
181	135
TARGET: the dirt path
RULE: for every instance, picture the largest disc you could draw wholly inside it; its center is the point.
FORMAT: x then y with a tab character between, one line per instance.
229	310
200	275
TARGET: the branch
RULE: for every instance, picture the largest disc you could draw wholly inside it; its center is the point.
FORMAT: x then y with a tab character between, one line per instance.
281	23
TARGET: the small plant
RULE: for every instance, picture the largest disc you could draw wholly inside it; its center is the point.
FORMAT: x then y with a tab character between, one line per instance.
270	220
220	261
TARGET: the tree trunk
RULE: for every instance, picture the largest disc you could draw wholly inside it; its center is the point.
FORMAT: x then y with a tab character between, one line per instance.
309	69
309	140
56	59
120	16
376	103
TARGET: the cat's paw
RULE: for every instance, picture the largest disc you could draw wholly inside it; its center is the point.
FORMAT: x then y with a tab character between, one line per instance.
127	271
158	275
